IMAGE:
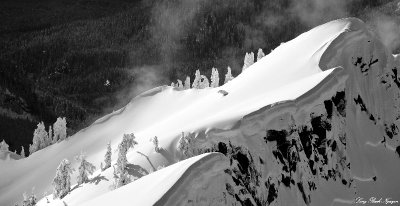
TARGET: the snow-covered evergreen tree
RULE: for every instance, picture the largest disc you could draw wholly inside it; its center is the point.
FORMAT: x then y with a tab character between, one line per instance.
214	78
50	135
154	140
29	200
48	140
180	85
197	80
22	151
260	54
204	83
85	169
228	75
3	146
172	84
186	145
120	173
39	138
123	179
128	141
107	157
60	129
248	60
62	180
187	83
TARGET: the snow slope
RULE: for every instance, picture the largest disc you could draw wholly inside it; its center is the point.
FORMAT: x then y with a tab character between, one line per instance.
314	122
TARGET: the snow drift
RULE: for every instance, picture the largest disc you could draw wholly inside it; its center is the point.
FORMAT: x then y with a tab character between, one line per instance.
315	122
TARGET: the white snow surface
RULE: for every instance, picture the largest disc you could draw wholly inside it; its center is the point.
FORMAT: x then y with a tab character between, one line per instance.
288	73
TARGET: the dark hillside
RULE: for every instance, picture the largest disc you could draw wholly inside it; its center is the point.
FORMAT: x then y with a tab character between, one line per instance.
56	56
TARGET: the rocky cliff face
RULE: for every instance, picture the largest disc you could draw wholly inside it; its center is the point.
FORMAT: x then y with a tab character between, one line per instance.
337	142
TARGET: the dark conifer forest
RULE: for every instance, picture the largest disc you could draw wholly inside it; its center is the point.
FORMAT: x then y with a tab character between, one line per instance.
85	58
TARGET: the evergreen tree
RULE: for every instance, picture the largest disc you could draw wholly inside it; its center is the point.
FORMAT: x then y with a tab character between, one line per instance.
197	80
22	151
62	180
204	83
260	54
186	145
228	75
60	129
4	146
187	83
51	139
48	140
107	157
128	141
180	85
154	140
123	179
85	169
39	138
120	173
248	60
214	78
29	200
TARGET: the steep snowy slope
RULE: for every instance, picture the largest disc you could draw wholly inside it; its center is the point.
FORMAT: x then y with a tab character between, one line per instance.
314	122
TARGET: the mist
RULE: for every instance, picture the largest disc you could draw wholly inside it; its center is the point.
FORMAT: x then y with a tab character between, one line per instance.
388	30
172	22
315	12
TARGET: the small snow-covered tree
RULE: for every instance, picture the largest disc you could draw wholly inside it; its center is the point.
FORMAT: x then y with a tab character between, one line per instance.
204	83
60	129
48	140
154	140
120	173
123	179
107	157
22	151
187	83
50	135
128	141
228	75
186	145
197	80
172	84
85	169
248	60
160	167
180	85
39	138
214	78
62	180
260	54
3	146
29	200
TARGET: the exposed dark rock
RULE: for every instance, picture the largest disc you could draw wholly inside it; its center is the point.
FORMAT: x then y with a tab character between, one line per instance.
339	100
222	148
285	180
305	138
360	102
272	192
395	78
398	150
328	106
303	194
243	161
364	67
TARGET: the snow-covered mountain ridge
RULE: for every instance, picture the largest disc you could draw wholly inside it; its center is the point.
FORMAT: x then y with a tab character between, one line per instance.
315	122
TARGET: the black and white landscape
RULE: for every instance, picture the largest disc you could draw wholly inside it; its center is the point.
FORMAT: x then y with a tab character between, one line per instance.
313	120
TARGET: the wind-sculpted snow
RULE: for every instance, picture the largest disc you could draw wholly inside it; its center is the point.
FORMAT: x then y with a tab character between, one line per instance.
315	122
171	185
